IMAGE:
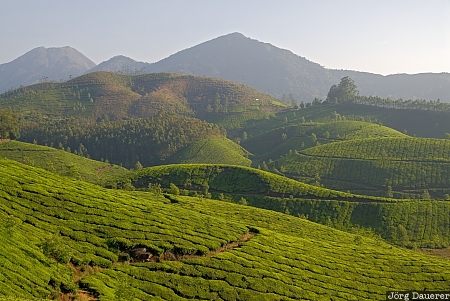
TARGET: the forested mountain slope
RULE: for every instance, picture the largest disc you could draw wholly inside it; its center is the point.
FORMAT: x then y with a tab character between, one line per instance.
109	96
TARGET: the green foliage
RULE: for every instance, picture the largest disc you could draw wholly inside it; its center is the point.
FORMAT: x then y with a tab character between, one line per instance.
61	162
173	189
374	166
218	150
9	124
345	91
54	247
96	224
229	179
270	144
149	141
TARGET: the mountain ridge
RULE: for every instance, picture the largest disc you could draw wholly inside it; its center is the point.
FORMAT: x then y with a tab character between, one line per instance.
270	69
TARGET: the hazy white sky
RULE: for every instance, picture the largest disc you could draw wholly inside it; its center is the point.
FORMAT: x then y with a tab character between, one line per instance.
382	36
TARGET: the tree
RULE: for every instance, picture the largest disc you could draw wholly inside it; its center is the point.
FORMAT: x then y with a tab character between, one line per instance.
155	188
173	189
9	125
389	192
138	166
345	91
426	195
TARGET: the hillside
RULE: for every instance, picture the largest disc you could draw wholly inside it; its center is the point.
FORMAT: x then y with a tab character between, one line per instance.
213	150
403	222
109	96
230	180
48	64
416	122
65	236
375	166
300	135
62	162
150	141
146	118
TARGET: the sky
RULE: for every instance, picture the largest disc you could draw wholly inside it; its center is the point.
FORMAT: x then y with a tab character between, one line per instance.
380	36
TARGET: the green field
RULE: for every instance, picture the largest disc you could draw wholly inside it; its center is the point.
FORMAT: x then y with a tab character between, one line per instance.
277	142
217	150
416	122
409	166
410	223
231	180
49	221
62	162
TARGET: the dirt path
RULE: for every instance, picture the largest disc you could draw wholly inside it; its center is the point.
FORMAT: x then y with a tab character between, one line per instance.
81	272
226	247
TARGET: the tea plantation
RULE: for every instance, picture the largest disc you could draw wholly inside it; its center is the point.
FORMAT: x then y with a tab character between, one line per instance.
372	166
213	150
60	236
411	223
297	136
61	162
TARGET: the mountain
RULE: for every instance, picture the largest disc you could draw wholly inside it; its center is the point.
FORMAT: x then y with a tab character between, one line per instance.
49	64
282	73
261	65
120	64
234	57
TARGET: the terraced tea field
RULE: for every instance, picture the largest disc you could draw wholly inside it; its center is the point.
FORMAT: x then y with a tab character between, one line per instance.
297	136
370	166
217	150
409	223
49	221
62	162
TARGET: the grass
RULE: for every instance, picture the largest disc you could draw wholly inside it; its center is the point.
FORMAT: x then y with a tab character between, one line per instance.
219	150
370	166
289	257
61	162
279	141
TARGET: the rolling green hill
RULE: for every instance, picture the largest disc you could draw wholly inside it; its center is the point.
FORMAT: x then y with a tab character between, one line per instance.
409	223
150	141
371	166
231	180
62	162
146	118
109	96
277	142
60	236
416	122
216	150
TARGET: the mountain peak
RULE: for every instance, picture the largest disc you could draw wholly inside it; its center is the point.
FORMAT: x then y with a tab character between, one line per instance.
121	64
234	35
53	64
